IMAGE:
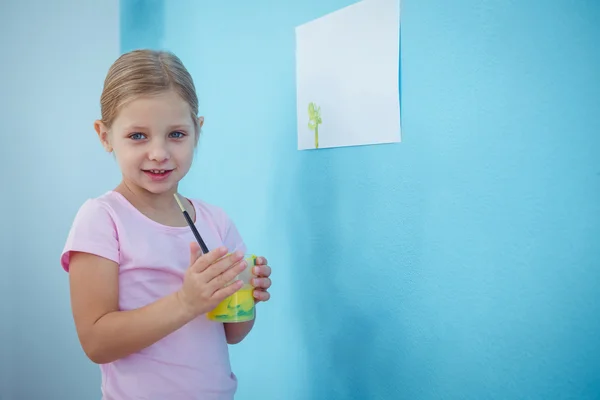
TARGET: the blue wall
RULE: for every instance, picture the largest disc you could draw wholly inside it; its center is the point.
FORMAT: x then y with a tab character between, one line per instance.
461	263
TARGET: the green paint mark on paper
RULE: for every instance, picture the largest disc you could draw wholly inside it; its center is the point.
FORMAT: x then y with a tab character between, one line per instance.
314	116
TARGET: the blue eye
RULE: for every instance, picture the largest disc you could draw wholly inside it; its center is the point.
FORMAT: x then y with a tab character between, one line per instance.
136	136
178	135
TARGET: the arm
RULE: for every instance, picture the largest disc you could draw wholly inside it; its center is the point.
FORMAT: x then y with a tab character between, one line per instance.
105	333
236	332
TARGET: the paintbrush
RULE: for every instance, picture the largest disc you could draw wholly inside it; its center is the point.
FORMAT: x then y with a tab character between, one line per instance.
191	224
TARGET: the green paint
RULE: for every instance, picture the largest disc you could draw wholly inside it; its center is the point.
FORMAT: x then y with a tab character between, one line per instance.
314	116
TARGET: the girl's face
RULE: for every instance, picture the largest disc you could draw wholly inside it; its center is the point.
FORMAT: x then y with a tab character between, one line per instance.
153	139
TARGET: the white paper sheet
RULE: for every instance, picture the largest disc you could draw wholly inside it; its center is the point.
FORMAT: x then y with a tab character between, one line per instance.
347	65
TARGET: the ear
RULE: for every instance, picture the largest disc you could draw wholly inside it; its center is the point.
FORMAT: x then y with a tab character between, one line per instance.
102	132
200	123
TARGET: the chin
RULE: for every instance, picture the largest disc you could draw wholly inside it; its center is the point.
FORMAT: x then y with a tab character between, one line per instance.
157	191
160	188
155	188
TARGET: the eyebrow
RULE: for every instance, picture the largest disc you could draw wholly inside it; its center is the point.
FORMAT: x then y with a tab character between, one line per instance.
145	128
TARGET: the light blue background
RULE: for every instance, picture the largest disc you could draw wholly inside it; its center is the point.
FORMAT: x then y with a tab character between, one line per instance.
55	56
462	263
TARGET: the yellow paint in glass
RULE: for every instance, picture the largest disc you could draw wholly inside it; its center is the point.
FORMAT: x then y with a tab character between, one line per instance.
239	307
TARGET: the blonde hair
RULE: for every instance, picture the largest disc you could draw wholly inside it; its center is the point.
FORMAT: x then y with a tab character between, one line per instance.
142	73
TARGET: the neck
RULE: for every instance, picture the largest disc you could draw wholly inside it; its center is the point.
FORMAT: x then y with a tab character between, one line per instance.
147	201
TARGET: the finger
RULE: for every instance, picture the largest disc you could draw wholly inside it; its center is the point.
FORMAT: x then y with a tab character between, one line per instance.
195	252
263	270
228	290
261	261
262	295
234	261
209	258
262	283
224	279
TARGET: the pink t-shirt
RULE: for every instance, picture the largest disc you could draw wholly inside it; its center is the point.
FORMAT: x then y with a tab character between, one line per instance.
192	362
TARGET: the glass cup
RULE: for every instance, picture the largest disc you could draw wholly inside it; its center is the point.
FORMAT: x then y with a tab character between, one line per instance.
239	307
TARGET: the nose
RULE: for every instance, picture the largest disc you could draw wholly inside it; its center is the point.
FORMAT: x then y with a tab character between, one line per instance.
159	152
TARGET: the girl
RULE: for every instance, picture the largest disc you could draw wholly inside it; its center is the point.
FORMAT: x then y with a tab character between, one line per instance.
140	287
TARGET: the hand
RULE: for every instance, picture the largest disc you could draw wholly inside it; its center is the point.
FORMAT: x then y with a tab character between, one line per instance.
205	280
262	281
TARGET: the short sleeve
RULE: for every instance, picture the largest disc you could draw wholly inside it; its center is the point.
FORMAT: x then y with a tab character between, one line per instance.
231	236
93	231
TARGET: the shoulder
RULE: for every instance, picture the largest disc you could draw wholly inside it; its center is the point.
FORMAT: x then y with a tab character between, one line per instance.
96	208
210	214
207	207
205	210
105	206
94	229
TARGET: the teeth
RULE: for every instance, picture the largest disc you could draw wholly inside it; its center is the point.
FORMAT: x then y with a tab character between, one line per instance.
157	171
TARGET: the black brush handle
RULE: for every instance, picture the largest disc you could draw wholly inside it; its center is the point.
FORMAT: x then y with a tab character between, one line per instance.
195	231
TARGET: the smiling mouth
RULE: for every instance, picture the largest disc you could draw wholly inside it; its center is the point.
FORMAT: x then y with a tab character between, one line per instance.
157	174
